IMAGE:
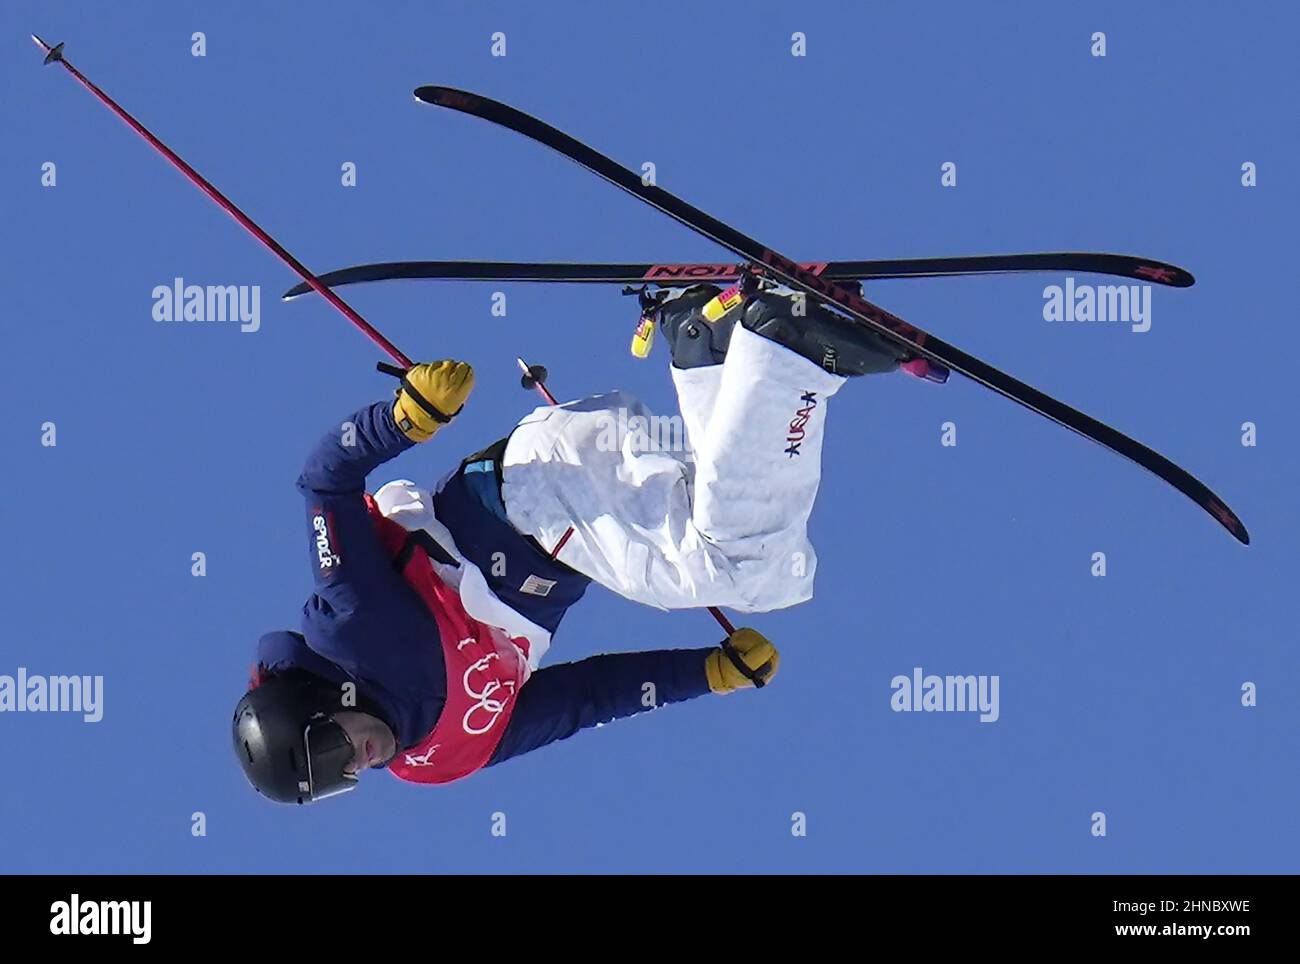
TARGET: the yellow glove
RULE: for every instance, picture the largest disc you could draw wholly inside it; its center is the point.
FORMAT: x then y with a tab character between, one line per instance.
431	395
749	647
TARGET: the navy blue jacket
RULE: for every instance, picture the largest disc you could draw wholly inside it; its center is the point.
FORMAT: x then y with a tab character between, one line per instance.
364	623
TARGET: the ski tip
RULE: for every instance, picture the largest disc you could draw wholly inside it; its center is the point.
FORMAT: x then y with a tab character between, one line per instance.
1228	519
440	96
1164	274
301	288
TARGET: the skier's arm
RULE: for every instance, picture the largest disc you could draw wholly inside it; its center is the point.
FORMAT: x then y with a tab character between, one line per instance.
342	458
345	551
560	700
430	396
347	559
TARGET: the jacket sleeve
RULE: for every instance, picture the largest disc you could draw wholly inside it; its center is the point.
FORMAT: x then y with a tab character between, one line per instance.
343	548
560	700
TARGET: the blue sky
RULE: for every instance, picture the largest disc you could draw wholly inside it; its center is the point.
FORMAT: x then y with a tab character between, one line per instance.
1119	694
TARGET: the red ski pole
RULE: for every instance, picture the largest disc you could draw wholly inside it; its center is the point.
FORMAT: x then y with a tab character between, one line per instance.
55	55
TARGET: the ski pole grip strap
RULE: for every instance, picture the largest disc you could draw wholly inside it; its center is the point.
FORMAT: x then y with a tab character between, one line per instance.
435	413
738	661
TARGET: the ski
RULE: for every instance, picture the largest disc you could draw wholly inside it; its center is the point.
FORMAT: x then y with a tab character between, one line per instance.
835	296
1120	265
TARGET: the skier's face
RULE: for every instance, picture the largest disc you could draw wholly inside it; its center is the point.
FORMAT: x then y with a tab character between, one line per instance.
372	741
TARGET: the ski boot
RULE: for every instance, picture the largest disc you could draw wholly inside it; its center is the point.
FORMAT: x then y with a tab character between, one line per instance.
699	321
693	340
838	345
834	343
911	364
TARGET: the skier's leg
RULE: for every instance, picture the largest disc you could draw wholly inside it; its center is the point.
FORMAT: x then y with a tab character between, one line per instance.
725	527
697	394
580	480
753	496
758	468
698	349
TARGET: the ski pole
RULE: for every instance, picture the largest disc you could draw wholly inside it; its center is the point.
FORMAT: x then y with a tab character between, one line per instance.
535	377
55	55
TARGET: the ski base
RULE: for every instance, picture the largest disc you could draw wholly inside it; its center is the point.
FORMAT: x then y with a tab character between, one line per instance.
1119	265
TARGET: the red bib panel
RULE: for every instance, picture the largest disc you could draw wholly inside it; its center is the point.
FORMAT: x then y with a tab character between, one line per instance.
485	669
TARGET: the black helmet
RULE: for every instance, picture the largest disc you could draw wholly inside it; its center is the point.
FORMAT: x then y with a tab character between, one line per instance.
286	739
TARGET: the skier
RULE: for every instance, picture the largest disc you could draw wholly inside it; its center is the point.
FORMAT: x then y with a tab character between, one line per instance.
420	647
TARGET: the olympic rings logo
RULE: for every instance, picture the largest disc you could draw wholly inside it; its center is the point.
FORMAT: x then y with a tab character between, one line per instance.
486	704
